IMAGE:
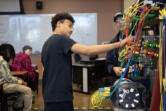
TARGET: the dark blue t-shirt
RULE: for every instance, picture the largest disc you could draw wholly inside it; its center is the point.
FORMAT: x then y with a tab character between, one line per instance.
57	75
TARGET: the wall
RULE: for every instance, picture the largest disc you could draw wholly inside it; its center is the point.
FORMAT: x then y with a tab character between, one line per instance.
104	8
127	4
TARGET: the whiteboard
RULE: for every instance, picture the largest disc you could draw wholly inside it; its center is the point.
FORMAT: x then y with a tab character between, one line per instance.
35	29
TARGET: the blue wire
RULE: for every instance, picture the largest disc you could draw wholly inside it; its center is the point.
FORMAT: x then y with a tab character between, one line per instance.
117	84
125	69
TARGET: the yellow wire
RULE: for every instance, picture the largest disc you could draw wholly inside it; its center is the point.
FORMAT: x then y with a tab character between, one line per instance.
132	9
131	13
98	98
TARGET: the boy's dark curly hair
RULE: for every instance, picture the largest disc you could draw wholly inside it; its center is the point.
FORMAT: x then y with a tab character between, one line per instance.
61	17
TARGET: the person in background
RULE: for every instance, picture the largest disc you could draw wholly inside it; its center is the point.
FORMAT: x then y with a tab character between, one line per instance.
22	62
112	56
10	50
56	59
13	84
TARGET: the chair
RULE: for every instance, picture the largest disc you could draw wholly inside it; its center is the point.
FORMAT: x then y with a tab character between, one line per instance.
1	96
37	82
77	57
7	100
34	85
37	77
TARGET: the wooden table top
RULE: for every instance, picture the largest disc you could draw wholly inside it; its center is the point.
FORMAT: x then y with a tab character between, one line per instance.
19	72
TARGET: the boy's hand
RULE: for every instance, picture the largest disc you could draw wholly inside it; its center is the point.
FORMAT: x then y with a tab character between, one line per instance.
126	40
118	71
24	83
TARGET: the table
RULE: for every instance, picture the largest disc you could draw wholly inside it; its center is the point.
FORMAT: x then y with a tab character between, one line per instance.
87	73
21	74
81	71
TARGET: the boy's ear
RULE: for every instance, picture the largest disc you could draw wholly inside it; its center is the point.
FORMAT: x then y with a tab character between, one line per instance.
58	24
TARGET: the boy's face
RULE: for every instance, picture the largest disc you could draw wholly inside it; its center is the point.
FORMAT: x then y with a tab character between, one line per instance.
28	52
66	27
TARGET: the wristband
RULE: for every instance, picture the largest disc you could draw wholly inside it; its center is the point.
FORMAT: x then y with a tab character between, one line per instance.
119	44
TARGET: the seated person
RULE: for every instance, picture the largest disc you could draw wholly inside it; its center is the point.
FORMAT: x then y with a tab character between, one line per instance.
13	84
11	50
22	62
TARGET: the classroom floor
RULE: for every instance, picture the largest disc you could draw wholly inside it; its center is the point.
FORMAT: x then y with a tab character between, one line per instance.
81	102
